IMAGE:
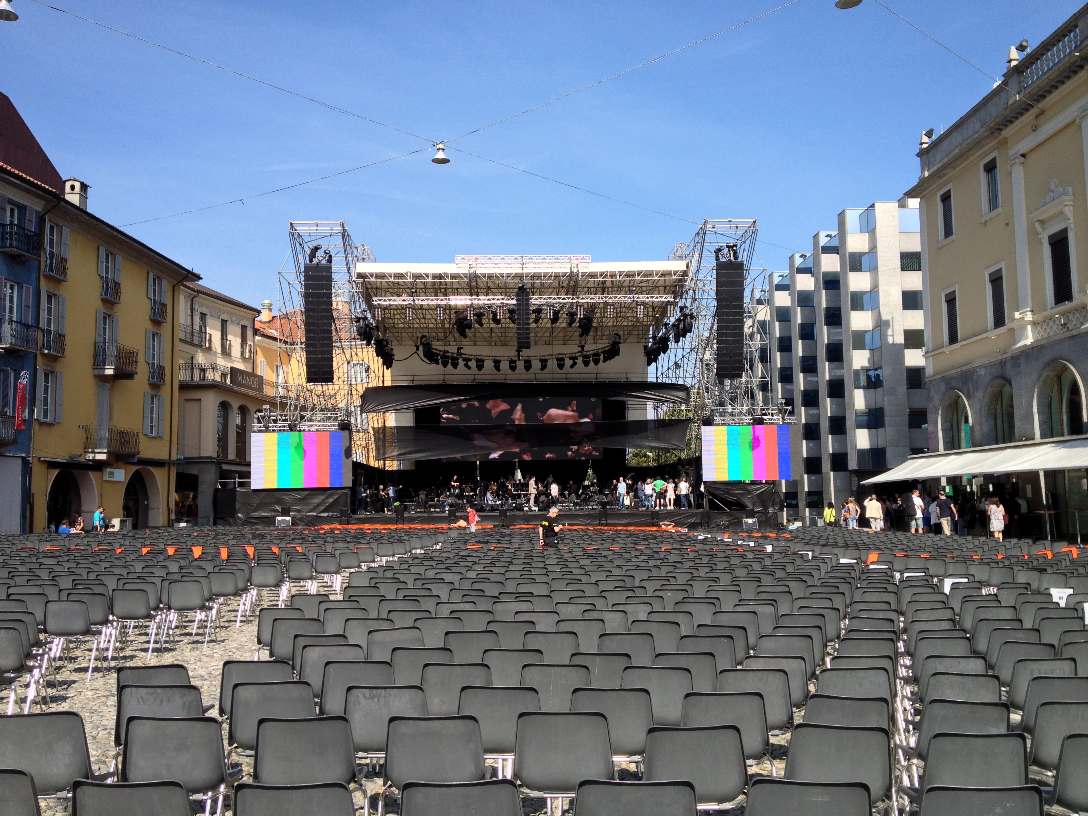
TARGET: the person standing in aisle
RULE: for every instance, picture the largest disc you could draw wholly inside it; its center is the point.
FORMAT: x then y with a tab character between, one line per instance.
683	491
874	512
549	529
995	512
621	492
532	492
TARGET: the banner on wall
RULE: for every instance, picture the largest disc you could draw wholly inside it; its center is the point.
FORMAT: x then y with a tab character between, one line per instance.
21	394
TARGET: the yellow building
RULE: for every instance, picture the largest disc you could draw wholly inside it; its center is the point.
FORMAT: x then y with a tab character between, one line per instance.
105	408
1004	226
219	392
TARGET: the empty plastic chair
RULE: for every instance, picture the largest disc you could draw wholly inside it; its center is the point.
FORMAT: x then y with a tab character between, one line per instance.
18	797
710	757
824	753
126	799
51	747
555	684
629	713
302	752
326	799
778	797
603	798
555	752
369	709
494	797
433	749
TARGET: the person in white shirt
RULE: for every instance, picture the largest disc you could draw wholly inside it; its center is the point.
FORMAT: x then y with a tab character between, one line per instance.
621	492
683	490
874	512
670	494
554	491
532	492
917	520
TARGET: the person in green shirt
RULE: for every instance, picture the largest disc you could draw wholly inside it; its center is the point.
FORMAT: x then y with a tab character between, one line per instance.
659	492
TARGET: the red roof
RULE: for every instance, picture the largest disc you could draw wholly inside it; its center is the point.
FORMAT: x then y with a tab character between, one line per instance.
21	152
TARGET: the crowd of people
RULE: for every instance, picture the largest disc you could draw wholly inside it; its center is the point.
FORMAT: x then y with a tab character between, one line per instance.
656	494
941	513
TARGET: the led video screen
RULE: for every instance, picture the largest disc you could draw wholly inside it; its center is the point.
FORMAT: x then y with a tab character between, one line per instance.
300	460
746	453
522	411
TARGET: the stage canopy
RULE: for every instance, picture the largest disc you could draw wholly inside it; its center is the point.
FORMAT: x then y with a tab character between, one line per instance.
379	399
1050	454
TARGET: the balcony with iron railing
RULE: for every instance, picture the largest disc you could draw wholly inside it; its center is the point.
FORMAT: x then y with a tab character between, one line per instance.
53	343
158	311
102	442
226	347
192	372
7	429
19	241
56	266
110	289
195	335
116	361
156	373
246	350
16	336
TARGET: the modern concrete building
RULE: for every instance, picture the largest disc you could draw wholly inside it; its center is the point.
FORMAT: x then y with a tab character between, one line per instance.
847	341
1004	204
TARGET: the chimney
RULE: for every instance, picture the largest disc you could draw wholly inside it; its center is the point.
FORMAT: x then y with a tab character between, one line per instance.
1013	59
76	192
266	312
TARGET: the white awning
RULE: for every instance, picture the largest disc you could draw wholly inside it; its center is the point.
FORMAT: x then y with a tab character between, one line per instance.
1023	457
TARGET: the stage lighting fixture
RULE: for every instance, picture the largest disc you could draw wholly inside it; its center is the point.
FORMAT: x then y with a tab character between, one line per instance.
495	317
573	362
677	326
444	359
572	316
554	316
585	360
527	365
479	314
585	324
560	363
512	313
543	363
538	312
462	323
455	361
497	364
364	329
479	363
513	364
596	358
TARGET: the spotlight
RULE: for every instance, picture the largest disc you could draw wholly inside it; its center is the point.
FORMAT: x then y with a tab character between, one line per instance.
444	359
455	361
495	317
364	329
479	363
512	313
538	312
555	315
513	364
677	327
572	316
596	358
462	323
527	365
585	360
573	361
543	363
497	364
585	324
479	314
560	363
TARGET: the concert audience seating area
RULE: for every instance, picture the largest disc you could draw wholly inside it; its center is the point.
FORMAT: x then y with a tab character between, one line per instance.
826	672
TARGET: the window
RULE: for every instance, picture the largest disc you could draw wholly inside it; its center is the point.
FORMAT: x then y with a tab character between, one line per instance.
1062	411
13	212
810	398
991	191
831	282
810	431
154	347
951	319
281	380
262	367
806	331
916	377
867	378
222	424
8	379
833	352
865	340
870	419
914	339
872	459
864	301
785	345
910	261
241	433
782	314
1061	270
358	373
50	395
106	331
806	298
829	249
785	375
996	281
912	299
947	224
814	465
245	339
152	414
224	335
833	316
836	389
807	364
156	287
836	425
839	462
1002	415
917	419
109	264
789	499
814	501
854	260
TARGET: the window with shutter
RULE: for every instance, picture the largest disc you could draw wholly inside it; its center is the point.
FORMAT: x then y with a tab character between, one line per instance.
951	319
1061	270
997	298
27	302
148	429
40	401
58	411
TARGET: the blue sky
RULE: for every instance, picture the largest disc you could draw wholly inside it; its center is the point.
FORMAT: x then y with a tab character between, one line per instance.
789	120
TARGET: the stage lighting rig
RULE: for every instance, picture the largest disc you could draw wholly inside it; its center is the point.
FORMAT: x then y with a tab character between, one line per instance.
462	323
560	363
573	361
527	364
538	312
585	324
554	316
572	317
495	317
513	364
479	363
364	329
444	359
586	358
455	361
479	314
596	358
543	363
497	364
512	313
613	349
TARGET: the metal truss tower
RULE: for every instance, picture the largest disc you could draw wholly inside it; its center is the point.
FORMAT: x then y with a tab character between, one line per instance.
692	361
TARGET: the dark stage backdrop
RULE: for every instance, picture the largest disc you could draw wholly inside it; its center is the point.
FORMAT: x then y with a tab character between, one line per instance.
378	399
264	505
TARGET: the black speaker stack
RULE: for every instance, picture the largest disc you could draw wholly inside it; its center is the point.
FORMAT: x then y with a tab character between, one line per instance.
523	307
729	313
317	314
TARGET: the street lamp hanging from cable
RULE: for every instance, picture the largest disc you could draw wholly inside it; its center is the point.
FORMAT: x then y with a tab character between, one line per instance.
439	157
7	12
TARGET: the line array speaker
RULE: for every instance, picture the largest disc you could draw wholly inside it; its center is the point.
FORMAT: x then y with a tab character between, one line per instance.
729	314
317	317
521	302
